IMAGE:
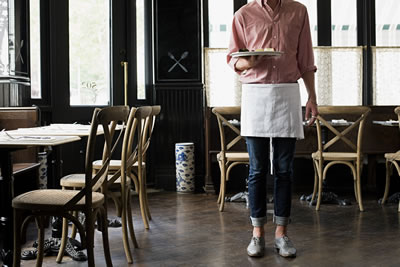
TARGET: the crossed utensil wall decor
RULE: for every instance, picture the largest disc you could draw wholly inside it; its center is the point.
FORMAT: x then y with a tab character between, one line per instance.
177	62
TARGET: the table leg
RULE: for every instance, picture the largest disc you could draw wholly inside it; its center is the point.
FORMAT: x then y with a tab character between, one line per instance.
6	212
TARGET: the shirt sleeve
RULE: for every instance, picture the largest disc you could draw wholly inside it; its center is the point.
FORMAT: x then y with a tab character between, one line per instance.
236	42
305	55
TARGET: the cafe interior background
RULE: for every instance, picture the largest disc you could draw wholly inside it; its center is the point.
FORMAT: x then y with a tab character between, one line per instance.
66	57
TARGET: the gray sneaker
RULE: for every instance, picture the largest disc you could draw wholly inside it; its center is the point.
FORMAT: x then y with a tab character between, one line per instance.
285	247
256	247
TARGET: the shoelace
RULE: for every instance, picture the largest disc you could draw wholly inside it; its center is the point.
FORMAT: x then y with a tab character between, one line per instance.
256	240
287	241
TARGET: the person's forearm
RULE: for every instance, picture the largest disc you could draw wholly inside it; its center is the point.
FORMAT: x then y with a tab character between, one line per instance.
309	82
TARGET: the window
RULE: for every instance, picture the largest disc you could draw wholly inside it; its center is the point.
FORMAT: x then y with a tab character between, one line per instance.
386	54
312	16
220	15
4	63
89	52
140	50
387	23
344	22
34	10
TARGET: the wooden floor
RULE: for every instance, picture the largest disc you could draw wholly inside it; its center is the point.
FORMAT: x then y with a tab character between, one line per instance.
188	230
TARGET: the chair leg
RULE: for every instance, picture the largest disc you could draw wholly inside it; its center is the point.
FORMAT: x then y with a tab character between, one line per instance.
17	238
130	221
40	247
89	227
142	204
315	182
387	186
64	239
146	198
355	190
222	193
321	177
106	244
73	229
221	178
359	189
124	226
24	228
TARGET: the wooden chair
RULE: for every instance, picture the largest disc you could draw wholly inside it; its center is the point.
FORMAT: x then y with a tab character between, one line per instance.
392	159
337	154
149	115
118	177
146	138
228	157
54	202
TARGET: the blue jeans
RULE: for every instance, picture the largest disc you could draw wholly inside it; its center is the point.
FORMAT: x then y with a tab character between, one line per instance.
258	148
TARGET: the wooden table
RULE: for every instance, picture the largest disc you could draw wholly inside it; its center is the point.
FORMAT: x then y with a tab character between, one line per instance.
7	145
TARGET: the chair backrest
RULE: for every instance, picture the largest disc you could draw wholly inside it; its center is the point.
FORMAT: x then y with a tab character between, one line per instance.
228	141
104	118
149	128
397	111
133	153
358	113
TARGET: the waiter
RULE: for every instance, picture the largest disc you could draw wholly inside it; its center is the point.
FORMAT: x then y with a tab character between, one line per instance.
271	117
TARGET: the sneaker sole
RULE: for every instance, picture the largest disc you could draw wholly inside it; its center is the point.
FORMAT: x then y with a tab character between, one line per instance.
285	255
255	254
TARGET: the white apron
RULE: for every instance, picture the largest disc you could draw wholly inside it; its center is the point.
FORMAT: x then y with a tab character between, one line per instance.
271	110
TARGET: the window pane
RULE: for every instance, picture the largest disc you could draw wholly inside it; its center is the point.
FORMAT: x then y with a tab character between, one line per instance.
387	23
344	22
35	48
386	75
312	16
89	52
140	50
337	83
222	84
220	15
4	63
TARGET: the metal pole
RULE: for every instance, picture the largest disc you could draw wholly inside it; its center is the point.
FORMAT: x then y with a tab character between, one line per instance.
124	64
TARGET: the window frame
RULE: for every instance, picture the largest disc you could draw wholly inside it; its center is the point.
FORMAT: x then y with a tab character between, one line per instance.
54	36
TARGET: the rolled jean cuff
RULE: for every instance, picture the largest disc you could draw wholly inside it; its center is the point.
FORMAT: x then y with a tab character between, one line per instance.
258	222
281	220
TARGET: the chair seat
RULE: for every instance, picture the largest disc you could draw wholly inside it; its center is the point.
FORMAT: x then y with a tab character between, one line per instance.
335	156
393	156
78	180
52	199
235	156
115	164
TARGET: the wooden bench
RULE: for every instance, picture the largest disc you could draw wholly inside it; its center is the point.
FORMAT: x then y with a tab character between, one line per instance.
25	162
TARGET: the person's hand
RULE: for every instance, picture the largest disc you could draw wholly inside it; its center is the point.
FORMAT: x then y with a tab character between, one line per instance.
252	61
245	63
311	109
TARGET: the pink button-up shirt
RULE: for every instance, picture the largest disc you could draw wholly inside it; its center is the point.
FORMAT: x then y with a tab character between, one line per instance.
285	29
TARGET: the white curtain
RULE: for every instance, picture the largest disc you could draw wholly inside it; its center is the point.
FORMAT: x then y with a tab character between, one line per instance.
386	68
338	78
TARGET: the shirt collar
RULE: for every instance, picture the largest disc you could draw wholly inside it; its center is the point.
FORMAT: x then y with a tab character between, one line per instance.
263	3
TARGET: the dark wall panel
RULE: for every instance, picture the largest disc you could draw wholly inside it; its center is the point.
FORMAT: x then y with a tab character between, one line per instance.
178	89
177	40
181	120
